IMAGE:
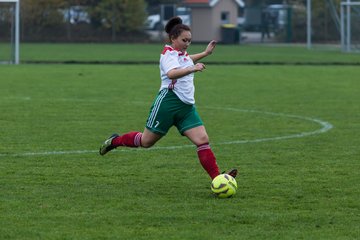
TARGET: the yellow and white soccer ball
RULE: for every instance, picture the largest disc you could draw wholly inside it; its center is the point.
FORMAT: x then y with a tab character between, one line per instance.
224	186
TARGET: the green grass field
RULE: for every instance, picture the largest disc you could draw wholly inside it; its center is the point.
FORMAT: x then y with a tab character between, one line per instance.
150	53
291	130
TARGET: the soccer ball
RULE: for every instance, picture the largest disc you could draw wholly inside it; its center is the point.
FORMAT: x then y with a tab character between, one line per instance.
224	186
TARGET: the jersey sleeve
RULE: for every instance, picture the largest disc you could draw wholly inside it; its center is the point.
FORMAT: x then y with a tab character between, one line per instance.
169	60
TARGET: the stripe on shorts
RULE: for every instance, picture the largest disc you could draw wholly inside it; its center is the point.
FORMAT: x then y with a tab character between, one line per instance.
156	107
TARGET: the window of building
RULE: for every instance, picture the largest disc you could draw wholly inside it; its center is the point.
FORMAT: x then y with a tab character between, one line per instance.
225	17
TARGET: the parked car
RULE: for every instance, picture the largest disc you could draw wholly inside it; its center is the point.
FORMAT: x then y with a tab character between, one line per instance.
153	22
76	15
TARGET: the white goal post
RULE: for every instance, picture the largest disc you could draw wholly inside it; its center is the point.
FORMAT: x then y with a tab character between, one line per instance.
16	50
346	33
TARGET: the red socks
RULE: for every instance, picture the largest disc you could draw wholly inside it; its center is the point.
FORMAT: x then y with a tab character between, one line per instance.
205	154
208	160
131	139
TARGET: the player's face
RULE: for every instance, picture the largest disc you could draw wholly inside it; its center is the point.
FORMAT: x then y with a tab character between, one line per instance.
182	42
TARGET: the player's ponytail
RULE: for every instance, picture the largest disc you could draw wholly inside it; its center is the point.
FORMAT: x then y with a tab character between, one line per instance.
172	23
175	27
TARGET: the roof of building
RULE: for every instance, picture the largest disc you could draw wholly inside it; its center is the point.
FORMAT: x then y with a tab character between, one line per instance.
209	3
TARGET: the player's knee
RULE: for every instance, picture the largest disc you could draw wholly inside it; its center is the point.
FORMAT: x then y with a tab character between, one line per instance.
149	139
147	144
203	139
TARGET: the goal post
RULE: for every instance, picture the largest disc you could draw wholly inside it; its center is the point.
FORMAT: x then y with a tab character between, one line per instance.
15	30
350	28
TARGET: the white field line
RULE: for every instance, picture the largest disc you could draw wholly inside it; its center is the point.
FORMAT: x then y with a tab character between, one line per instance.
325	126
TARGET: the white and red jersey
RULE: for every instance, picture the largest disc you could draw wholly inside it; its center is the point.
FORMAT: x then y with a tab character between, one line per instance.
183	87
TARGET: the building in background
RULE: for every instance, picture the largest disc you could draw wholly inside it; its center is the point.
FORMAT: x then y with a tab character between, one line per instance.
209	16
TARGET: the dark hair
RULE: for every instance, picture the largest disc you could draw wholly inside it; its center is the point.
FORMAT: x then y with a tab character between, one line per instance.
175	27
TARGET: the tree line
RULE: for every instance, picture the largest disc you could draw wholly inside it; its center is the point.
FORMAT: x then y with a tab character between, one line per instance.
108	19
119	20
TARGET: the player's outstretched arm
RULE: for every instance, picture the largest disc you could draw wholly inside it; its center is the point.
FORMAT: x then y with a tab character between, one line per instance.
209	49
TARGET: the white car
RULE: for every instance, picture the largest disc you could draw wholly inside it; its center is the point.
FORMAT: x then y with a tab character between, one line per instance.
75	15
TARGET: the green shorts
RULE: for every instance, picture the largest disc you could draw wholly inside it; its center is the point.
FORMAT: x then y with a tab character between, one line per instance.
168	110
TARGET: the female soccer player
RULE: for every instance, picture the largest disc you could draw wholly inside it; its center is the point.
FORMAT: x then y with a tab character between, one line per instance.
174	104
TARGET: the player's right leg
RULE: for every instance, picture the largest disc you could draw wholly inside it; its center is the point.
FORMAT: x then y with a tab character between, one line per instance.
149	138
130	139
159	121
107	146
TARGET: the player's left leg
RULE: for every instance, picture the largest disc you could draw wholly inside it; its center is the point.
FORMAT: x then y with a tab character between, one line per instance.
192	127
206	156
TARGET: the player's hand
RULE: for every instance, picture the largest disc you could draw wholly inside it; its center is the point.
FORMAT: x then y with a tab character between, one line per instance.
210	47
199	67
